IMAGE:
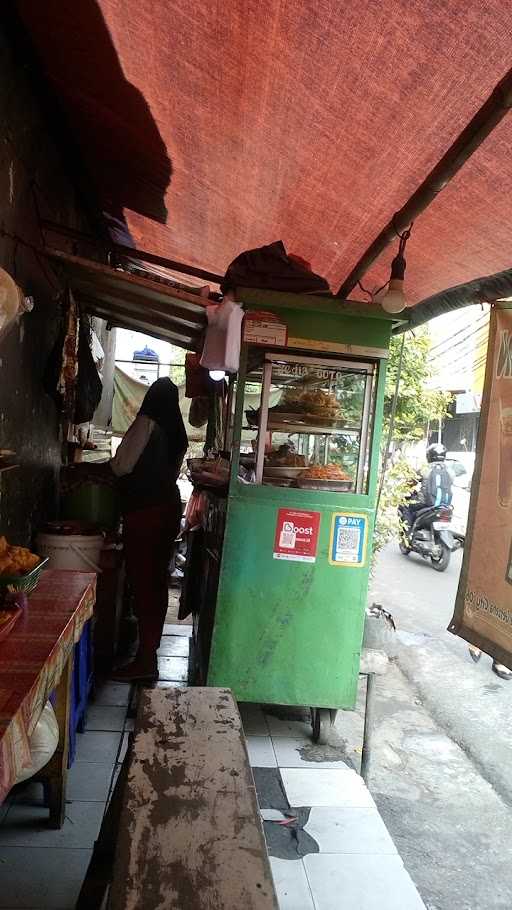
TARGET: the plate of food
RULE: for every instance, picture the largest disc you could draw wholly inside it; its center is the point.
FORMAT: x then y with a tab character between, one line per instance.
20	569
285	457
284	462
312	403
325	477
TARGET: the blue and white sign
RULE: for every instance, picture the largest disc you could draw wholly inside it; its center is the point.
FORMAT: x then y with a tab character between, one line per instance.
349	532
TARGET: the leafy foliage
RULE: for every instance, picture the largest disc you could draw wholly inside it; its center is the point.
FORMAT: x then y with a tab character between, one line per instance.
417	403
397	482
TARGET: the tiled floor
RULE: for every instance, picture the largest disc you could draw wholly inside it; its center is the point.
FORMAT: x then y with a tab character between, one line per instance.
332	851
41	869
348	859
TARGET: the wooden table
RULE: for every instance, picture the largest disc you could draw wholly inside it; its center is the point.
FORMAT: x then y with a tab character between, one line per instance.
36	660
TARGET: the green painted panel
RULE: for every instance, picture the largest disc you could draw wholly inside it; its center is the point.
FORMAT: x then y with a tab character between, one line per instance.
325	319
287	632
290	632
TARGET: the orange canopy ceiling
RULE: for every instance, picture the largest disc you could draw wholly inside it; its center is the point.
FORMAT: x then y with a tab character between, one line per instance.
210	128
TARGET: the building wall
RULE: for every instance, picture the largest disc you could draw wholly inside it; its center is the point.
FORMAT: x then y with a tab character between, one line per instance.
31	178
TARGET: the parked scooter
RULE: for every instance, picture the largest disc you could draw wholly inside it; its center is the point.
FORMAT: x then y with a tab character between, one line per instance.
430	535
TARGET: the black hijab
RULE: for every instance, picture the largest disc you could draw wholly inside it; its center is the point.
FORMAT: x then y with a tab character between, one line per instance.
161	404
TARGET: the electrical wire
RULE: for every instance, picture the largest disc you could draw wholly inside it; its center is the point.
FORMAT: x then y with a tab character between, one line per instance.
446	352
473	340
403	238
467	355
465	345
365	290
372	294
482	319
440	366
405	234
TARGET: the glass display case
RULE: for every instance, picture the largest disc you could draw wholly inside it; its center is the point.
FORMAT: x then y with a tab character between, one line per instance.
308	421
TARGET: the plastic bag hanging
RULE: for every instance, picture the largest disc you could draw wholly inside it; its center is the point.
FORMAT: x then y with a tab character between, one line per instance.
221	351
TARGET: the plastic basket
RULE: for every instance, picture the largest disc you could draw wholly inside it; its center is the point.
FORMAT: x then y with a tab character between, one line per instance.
25	583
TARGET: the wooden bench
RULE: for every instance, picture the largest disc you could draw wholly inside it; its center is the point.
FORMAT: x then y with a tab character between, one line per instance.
189	835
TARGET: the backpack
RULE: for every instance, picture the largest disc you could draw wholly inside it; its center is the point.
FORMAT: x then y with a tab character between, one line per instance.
438	486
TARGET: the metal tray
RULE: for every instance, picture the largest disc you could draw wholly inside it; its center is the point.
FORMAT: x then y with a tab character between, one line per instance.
299	417
336	486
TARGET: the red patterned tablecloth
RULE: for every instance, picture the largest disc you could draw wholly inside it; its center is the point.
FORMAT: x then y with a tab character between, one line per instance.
32	659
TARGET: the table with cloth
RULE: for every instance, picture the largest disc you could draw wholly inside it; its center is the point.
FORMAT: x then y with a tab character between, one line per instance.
36	659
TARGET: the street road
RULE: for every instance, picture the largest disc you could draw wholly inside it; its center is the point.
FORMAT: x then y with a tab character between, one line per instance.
442	775
468	699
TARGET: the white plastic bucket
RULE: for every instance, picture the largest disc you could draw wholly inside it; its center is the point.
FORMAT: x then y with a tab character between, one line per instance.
71	551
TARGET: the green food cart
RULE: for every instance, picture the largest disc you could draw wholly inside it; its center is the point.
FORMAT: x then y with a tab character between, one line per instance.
278	578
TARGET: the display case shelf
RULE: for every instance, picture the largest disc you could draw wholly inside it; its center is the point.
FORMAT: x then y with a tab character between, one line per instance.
292	428
312	429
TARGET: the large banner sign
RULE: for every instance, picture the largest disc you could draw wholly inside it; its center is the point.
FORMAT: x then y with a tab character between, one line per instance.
483	609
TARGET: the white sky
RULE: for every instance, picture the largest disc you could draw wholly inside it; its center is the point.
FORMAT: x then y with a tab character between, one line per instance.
127	342
456	346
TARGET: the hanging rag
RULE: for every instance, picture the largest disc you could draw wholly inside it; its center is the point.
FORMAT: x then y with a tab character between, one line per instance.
272	268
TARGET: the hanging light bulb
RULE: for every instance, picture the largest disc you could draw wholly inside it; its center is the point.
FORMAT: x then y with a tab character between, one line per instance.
393	301
217	375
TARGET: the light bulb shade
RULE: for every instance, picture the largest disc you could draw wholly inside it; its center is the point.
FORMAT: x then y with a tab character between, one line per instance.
394	300
217	375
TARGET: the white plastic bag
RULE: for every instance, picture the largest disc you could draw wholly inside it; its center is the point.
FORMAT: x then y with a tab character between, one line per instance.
43	743
221	349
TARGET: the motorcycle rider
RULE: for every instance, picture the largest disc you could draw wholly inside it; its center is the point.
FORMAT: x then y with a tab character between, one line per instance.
435	486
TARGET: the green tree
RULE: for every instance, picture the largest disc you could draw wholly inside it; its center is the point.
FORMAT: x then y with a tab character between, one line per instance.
417	402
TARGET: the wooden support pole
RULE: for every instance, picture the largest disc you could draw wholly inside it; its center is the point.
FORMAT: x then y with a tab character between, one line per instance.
368	727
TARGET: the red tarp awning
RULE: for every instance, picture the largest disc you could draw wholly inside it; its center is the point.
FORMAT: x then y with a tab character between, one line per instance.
220	127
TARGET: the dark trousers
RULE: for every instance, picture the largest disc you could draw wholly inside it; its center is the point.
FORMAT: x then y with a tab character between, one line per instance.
149	536
411	510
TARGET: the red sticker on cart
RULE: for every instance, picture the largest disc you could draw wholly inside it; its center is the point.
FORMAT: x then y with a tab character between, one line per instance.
296	535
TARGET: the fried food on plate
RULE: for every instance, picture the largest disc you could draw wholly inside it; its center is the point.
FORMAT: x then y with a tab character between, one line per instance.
16	560
324	472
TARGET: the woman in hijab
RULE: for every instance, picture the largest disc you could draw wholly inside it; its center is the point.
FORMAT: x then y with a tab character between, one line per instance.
147	465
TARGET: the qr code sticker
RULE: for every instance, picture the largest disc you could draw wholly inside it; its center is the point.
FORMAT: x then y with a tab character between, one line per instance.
348	540
288	536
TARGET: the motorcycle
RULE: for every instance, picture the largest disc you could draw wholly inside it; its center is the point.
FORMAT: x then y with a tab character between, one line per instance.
430	535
